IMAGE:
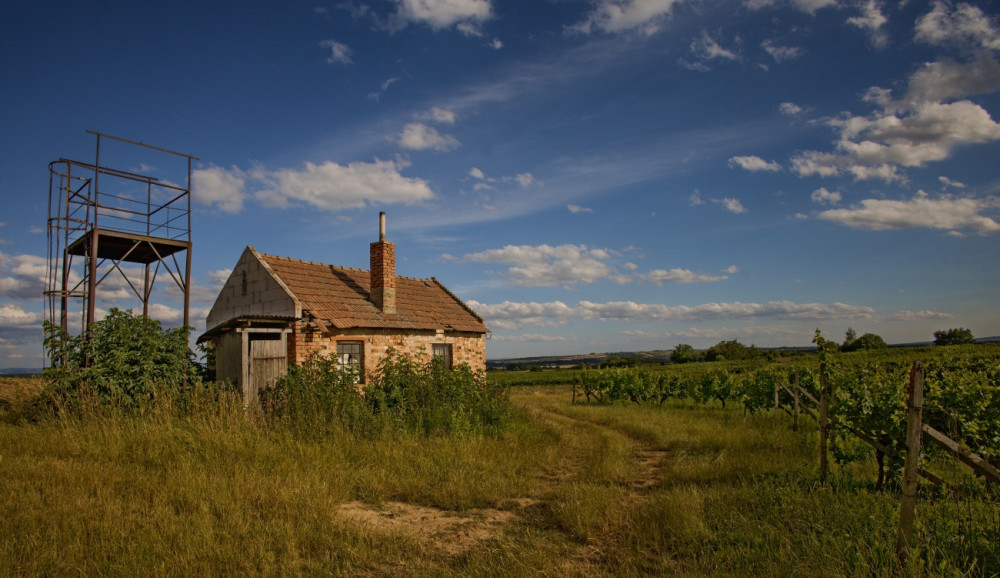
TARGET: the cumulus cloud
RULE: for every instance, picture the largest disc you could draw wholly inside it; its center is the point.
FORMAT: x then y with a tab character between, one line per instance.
467	16
512	315
919	315
946	212
730	204
825	197
790	109
418	136
781	53
477	173
339	52
331	186
220	187
871	20
683	276
754	164
579	209
12	315
440	115
616	16
950	183
548	266
946	80
22	276
873	147
962	24
705	50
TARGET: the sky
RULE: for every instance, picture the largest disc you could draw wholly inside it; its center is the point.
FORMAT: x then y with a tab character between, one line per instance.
587	175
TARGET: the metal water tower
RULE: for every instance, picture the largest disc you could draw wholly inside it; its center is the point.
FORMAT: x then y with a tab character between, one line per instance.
114	232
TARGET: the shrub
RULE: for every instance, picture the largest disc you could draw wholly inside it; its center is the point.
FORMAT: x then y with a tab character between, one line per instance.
404	393
128	362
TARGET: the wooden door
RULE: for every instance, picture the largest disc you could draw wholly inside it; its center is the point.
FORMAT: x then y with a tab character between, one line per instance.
267	364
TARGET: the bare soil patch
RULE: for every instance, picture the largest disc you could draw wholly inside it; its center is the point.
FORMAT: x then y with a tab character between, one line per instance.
453	532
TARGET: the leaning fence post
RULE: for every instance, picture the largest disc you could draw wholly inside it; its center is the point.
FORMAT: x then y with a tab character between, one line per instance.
911	469
824	419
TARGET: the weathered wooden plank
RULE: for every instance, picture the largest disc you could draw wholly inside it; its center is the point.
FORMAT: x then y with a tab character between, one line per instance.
963	454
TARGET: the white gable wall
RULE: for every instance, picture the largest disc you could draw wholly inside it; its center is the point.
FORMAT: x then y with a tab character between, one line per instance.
262	294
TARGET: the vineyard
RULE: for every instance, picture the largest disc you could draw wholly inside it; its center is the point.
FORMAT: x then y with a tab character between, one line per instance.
868	391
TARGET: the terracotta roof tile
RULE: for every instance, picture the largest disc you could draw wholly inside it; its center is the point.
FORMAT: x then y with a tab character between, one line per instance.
339	296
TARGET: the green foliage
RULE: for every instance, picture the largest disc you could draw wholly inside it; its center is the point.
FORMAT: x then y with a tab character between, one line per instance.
866	341
956	336
683	353
621	361
727	351
412	394
128	362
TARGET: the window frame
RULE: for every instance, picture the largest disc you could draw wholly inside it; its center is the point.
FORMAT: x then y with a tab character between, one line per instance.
359	362
446	353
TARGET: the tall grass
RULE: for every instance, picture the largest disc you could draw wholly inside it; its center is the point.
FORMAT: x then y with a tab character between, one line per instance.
209	491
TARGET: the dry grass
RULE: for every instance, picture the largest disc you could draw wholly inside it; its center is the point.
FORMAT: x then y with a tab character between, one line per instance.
571	491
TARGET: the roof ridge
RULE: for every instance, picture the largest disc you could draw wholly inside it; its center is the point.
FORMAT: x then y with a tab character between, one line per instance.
459	301
341	267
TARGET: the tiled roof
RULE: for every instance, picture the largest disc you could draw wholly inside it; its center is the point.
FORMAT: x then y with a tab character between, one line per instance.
339	297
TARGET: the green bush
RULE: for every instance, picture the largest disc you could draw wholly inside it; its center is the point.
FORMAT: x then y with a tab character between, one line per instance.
129	363
404	393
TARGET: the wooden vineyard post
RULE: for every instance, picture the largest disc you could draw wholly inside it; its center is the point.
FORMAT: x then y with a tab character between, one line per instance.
911	469
795	396
776	401
824	419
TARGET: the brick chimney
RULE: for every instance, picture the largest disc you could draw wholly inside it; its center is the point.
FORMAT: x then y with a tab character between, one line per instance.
383	271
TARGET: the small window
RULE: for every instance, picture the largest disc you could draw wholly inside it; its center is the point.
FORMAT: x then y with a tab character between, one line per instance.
349	356
443	350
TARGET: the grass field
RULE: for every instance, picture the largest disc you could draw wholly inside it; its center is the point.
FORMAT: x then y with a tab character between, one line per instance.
570	490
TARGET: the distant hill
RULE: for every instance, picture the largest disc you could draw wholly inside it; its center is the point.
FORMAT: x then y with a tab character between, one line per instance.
20	371
655	356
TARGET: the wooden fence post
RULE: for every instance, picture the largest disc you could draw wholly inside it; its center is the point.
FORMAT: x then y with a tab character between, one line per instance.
795	396
776	401
824	419
911	469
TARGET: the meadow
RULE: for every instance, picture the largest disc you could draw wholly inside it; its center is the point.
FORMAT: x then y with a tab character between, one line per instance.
568	489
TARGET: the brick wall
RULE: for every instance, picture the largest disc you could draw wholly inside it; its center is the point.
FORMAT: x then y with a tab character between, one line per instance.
469	348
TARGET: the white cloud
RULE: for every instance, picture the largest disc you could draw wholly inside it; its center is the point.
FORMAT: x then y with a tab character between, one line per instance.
946	212
531	338
731	270
871	21
615	16
754	164
919	315
13	315
331	186
495	44
730	204
465	15
377	95
23	276
950	183
441	115
524	179
579	209
790	109
548	266
682	276
418	136
825	197
512	314
476	173
695	199
220	187
339	52
963	25
873	147
946	80
705	49
781	53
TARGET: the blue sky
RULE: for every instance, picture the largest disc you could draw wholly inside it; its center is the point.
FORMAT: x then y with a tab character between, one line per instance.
589	175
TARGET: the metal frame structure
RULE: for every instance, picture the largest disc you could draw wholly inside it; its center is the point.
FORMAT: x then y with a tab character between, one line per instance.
93	231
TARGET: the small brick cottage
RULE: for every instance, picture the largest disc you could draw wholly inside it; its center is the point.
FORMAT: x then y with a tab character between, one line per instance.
275	310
